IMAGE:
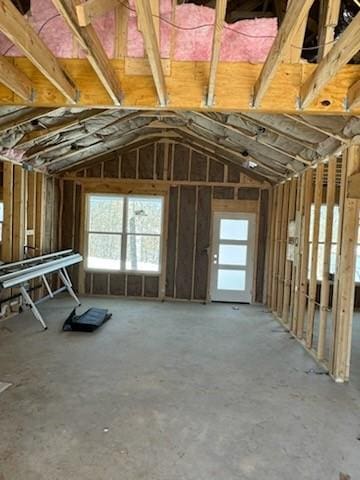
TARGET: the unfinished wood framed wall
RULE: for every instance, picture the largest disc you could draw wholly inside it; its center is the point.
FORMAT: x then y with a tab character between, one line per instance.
194	185
314	293
31	206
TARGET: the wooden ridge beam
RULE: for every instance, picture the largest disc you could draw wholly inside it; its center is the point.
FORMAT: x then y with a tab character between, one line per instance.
354	96
340	54
19	31
145	17
220	13
293	20
90	10
16	80
186	85
90	43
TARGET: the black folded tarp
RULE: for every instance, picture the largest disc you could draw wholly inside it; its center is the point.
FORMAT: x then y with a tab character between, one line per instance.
86	322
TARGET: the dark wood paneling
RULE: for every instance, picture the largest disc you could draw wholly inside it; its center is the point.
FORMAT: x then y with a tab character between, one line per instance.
128	164
198	167
117	284
146	162
248	193
151	287
67	215
261	255
171	242
184	268
111	167
202	243
134	285
181	162
216	171
224	193
160	158
100	281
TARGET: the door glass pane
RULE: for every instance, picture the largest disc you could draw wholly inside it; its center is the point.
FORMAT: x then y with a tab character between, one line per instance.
232	254
104	251
105	213
144	215
233	229
143	253
231	280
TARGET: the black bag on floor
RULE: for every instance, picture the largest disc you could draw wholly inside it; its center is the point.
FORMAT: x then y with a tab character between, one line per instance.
86	322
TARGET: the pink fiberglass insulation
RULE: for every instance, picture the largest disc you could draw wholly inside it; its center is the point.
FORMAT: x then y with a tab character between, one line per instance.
191	44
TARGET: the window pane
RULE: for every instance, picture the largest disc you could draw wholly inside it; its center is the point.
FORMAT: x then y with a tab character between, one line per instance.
144	215
357	268
104	251
105	213
233	229
143	253
232	254
335	229
231	280
1	211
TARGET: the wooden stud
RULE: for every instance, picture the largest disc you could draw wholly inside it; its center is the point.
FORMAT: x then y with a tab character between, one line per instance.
90	43
293	20
90	10
282	248
346	275
19	222
275	269
7	237
220	12
340	54
288	263
325	283
314	254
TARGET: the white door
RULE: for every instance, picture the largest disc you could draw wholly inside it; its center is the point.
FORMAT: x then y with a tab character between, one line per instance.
233	257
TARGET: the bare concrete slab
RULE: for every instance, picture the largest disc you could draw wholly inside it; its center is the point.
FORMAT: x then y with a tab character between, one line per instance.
169	391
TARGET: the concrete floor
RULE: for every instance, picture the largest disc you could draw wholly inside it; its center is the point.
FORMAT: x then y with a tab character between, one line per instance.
169	391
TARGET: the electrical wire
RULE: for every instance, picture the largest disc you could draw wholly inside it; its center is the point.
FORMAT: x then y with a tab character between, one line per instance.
39	31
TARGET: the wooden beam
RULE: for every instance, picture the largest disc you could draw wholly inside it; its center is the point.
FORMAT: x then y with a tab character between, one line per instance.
90	43
294	18
353	97
328	19
90	10
220	13
16	80
314	255
21	33
8	187
353	190
340	54
21	117
144	13
19	221
186	85
345	275
325	283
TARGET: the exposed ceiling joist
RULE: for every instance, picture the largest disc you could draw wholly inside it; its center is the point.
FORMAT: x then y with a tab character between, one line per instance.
90	10
216	45
293	20
145	17
328	19
20	32
95	53
16	80
341	53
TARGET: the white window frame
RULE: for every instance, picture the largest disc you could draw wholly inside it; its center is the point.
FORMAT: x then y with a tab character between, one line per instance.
124	234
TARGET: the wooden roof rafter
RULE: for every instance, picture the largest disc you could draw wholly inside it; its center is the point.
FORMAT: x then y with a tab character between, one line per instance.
339	55
90	43
16	80
19	31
